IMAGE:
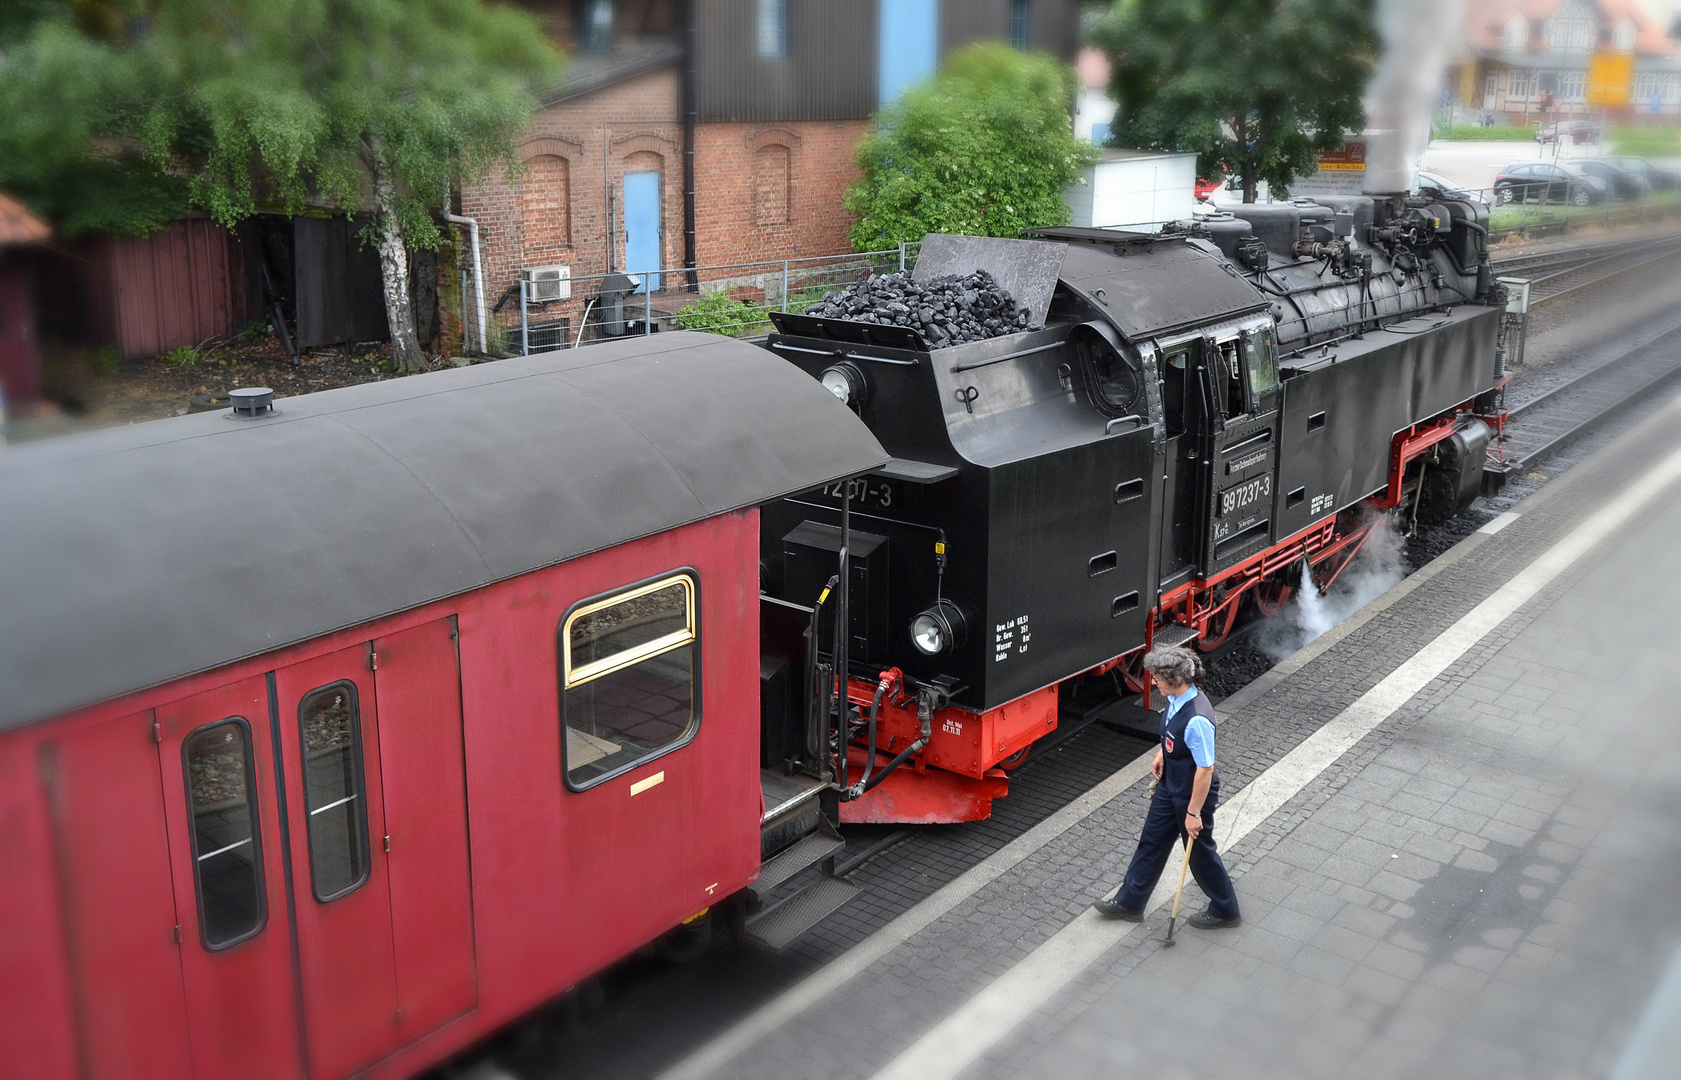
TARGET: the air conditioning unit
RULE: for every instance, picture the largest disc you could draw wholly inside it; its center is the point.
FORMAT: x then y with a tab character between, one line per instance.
544	283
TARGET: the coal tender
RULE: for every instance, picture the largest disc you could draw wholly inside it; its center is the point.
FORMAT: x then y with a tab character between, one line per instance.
1101	441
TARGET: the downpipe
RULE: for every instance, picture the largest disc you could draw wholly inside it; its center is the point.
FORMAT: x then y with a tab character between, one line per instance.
478	272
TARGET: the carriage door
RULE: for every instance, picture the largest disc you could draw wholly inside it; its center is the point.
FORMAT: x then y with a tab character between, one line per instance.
1244	464
1188	412
217	759
329	743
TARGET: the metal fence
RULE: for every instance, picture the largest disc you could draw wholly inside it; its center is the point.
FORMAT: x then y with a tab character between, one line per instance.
733	298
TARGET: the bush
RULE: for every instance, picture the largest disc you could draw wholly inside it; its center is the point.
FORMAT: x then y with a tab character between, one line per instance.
105	361
256	331
181	356
717	312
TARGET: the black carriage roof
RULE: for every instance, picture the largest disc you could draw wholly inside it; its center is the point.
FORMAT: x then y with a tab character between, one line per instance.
142	554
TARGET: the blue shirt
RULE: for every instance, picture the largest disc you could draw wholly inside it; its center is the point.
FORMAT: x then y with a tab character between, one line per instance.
1199	733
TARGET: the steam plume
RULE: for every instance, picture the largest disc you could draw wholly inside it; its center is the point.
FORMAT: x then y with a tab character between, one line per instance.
1379	566
1419	37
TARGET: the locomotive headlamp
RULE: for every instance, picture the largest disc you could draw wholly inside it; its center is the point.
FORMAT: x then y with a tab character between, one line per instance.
938	629
846	382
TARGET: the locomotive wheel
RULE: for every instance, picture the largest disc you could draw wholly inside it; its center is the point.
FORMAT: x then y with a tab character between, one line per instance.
1271	597
1015	760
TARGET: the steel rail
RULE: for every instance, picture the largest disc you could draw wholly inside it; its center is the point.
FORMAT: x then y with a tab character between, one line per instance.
1536	302
1581	427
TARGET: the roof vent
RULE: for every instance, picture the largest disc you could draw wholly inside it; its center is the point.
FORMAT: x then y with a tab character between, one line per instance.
252	401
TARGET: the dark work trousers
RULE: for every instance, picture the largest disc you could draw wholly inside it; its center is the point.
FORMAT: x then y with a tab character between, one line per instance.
1164	838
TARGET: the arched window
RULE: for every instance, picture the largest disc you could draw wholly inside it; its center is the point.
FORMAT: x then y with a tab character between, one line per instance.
771	164
545	197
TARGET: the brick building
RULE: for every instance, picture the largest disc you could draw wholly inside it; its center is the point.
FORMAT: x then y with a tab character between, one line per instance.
710	132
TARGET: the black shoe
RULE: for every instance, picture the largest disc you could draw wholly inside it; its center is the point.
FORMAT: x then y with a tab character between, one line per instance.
1204	920
1110	908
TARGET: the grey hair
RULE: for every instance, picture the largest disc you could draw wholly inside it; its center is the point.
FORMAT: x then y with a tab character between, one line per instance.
1174	664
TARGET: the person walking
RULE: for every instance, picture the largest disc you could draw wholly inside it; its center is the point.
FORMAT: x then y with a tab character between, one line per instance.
1187	790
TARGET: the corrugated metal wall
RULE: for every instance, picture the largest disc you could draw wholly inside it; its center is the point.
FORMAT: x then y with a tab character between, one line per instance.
1053	26
182	286
828	74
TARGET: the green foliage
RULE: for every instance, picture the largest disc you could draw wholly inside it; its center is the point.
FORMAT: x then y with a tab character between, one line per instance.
181	356
1464	133
1255	85
105	360
984	148
717	312
255	331
232	106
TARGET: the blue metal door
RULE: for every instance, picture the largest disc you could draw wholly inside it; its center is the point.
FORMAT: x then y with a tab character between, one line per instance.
642	228
908	49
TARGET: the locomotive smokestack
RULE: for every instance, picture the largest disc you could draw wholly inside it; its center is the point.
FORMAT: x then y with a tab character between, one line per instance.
1418	40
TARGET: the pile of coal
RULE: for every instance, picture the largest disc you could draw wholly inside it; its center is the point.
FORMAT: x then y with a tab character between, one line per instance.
946	311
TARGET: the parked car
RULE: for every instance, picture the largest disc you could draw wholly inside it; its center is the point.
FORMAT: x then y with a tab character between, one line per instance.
1441	187
1623	183
1541	181
1577	131
1661	179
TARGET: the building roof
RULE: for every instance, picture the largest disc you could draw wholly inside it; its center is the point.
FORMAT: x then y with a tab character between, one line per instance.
19	226
1485	25
142	554
587	72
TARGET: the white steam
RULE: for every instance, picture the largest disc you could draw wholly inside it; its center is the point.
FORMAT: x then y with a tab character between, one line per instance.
1419	39
1376	569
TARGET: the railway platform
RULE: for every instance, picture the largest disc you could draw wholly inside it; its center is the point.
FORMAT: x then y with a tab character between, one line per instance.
1454	823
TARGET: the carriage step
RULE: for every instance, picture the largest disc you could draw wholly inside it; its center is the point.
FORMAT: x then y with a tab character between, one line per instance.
809	850
778	927
1173	634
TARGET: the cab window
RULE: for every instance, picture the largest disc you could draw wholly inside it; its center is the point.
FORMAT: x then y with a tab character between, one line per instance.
1229	377
629	675
1263	363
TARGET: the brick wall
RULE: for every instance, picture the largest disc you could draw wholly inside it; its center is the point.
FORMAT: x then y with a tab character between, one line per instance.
764	191
773	190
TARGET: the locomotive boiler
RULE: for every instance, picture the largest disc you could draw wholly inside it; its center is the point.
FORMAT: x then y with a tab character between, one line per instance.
1192	425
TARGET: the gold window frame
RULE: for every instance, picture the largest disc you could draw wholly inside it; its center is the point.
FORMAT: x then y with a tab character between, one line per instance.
595	669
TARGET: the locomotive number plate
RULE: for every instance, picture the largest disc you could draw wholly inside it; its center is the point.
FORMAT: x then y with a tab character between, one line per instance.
1245	494
880	494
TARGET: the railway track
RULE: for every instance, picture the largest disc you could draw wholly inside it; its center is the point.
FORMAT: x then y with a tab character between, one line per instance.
1559	415
1557	274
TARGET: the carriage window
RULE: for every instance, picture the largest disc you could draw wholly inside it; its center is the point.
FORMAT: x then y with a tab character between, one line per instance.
628	677
330	733
227	863
1263	363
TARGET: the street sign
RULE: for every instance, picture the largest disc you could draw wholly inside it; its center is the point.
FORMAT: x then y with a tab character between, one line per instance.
1611	79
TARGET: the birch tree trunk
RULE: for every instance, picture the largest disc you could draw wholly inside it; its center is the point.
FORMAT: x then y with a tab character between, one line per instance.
406	357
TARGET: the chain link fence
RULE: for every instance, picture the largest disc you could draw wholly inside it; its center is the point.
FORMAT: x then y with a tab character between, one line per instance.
736	299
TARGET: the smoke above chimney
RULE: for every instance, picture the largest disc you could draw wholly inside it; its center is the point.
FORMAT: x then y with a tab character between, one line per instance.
1419	38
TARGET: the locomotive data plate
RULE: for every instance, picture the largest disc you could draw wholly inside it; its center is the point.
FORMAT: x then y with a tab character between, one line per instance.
1245	494
1248	461
880	494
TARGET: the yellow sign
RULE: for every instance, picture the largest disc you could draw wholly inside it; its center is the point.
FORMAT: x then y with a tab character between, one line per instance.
1611	79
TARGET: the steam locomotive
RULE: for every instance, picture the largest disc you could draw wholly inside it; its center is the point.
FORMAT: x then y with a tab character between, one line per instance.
338	732
1207	419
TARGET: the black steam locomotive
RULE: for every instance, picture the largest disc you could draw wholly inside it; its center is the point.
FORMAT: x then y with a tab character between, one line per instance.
1196	423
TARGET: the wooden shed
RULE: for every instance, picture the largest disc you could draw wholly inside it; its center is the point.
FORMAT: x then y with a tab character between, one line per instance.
21	235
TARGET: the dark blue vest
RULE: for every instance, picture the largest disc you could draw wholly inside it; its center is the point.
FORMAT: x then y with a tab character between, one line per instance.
1179	768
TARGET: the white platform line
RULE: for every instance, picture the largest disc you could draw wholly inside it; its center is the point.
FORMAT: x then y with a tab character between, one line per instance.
768	1018
1498	522
986	1019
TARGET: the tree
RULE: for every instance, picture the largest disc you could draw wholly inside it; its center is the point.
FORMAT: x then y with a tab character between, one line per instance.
984	148
1256	86
239	105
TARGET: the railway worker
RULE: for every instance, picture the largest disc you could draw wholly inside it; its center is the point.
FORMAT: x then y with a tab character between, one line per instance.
1187	789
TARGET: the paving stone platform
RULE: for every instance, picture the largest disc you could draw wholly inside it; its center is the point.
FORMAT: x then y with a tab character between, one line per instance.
1487	885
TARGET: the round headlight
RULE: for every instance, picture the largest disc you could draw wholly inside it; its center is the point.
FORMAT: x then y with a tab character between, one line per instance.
928	634
846	382
938	629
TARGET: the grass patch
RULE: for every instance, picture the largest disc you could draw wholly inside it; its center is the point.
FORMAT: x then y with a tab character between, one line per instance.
1661	142
1486	134
1540	215
181	356
105	360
